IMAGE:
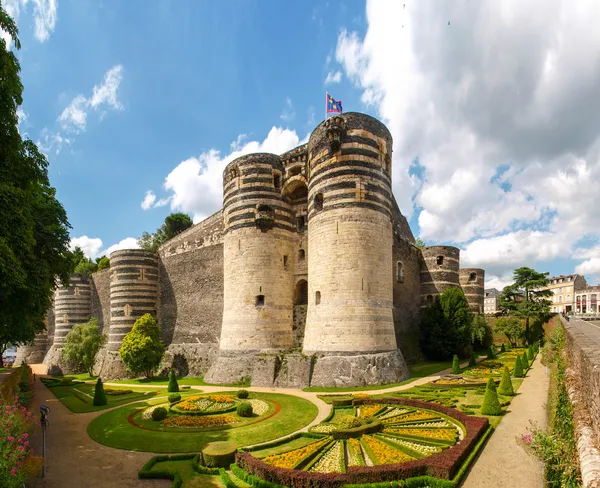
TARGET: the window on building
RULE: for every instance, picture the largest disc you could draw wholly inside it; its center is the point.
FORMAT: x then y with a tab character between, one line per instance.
439	260
276	180
260	301
301	223
399	272
301	255
473	277
296	170
318	202
593	303
317	298
301	295
429	299
285	262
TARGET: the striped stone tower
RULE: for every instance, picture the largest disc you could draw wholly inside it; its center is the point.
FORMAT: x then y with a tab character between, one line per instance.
72	305
439	271
33	353
133	291
258	246
472	281
349	321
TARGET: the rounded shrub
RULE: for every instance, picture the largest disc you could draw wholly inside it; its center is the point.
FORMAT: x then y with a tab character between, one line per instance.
174	397
244	409
159	413
219	454
242	394
173	385
99	394
491	404
473	360
518	371
506	387
455	365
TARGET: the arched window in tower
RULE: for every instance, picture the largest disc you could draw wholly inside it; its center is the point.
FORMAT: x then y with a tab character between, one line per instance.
439	260
318	202
317	298
472	277
301	293
301	255
429	299
399	272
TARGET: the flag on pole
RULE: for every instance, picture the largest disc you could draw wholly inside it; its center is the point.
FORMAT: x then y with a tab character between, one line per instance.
332	106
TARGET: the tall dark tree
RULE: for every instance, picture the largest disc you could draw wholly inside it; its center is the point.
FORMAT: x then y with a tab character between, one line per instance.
174	224
34	234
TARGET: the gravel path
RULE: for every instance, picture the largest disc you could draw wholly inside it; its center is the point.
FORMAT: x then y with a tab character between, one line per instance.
504	462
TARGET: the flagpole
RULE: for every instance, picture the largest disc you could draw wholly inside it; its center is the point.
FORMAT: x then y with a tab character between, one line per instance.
326	100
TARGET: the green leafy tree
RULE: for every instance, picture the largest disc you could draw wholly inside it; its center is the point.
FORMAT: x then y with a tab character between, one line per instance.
174	224
502	348
142	349
99	394
103	263
446	325
82	344
481	332
518	371
506	387
455	365
419	243
511	327
491	404
173	385
86	268
34	230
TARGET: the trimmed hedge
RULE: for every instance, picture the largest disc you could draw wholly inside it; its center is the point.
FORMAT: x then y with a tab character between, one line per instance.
443	465
174	397
159	414
173	386
244	409
146	472
99	395
242	394
455	365
219	454
365	428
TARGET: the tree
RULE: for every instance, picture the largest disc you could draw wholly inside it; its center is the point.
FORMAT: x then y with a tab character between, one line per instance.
481	332
82	344
99	394
86	268
455	365
173	386
419	243
491	404
473	360
103	263
524	361
506	387
518	371
34	230
446	326
511	327
142	348
174	224
535	303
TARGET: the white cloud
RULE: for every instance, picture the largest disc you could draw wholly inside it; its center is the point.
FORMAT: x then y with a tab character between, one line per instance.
589	267
149	199
92	246
498	282
495	105
44	17
288	114
333	77
74	117
196	184
106	93
52	142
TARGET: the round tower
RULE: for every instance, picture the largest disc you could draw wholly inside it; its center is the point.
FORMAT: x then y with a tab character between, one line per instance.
472	281
33	353
439	271
350	252
133	291
72	305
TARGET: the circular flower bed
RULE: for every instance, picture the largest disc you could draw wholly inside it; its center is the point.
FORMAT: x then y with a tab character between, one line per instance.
205	405
377	434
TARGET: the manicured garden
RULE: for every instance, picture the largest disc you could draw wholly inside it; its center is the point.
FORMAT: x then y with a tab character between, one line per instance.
197	420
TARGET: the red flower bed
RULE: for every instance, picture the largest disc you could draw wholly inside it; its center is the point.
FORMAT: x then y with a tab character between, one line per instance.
441	465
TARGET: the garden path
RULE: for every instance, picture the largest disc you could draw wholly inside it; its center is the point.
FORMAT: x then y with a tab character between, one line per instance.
504	461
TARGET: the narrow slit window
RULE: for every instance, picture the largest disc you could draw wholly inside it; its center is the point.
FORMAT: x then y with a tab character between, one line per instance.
318	202
440	260
301	255
399	272
473	277
317	298
285	262
301	223
260	301
276	180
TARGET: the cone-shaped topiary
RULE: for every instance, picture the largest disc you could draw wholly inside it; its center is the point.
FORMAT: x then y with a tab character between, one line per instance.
502	348
524	361
173	385
491	352
518	371
473	360
99	395
491	404
530	354
455	365
506	387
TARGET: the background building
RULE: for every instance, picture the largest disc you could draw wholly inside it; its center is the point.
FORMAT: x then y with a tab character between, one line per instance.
563	288
586	300
491	297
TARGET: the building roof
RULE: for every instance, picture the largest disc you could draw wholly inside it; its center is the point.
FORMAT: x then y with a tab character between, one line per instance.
491	292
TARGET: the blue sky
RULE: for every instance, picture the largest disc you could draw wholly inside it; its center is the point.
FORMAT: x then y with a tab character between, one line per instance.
146	100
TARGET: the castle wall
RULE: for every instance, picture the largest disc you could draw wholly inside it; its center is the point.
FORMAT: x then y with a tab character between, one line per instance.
100	288
72	305
472	281
439	271
33	353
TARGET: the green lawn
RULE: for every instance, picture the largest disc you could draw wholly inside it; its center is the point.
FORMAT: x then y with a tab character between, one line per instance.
190	478
113	429
79	397
160	381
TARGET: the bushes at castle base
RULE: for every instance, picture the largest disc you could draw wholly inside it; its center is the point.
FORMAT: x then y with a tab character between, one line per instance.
506	387
491	404
173	385
518	371
502	348
473	360
242	394
142	348
455	365
244	409
99	394
524	361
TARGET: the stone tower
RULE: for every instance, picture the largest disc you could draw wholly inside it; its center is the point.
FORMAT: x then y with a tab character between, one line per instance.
439	271
349	324
472	281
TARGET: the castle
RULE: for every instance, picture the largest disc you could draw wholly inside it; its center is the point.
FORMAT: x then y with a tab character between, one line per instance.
309	275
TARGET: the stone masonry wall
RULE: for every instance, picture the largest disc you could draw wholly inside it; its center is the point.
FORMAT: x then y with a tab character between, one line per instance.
100	282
